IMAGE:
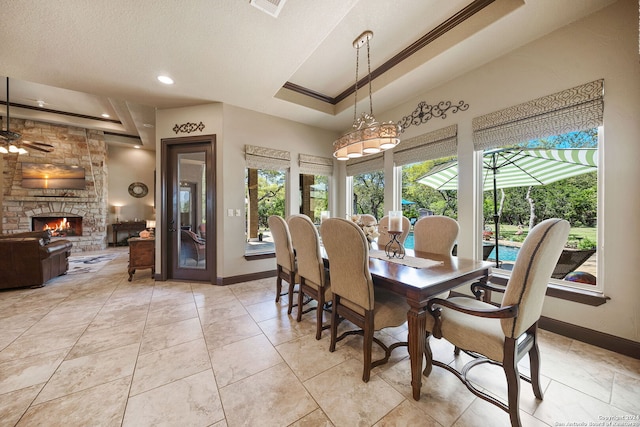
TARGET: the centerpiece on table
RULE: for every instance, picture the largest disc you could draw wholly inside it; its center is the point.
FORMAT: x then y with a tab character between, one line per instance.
370	228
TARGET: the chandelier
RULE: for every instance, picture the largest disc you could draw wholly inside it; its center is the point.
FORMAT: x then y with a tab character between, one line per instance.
368	135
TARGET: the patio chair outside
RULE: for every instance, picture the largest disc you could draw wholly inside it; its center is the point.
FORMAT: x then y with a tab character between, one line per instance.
571	259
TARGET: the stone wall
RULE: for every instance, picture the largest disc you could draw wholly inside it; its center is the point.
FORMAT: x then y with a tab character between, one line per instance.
72	146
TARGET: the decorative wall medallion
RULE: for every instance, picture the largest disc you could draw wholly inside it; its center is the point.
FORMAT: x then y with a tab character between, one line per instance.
425	112
138	189
188	127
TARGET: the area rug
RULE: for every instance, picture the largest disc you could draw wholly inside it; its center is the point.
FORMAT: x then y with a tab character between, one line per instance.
89	263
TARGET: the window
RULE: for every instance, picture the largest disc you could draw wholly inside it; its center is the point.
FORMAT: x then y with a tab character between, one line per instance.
314	185
568	123
418	158
265	194
366	186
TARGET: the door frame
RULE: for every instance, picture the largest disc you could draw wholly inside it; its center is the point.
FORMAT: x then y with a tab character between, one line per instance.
166	203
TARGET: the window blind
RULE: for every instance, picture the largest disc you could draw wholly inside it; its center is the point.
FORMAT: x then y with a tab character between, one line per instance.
315	165
267	158
570	110
365	164
433	145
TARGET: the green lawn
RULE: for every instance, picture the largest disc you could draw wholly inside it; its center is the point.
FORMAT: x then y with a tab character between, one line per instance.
576	234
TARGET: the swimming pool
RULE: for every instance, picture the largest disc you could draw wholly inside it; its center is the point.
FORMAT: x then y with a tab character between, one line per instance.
507	253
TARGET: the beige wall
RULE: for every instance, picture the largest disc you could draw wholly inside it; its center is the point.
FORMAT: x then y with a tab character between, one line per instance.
126	166
603	45
234	127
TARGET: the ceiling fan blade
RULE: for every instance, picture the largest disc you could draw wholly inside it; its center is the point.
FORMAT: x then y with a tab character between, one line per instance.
45	148
42	144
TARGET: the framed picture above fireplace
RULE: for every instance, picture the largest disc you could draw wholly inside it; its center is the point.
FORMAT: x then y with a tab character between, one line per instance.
46	175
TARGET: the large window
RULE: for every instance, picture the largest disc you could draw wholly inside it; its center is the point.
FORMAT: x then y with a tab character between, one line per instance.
265	194
366	186
559	135
314	185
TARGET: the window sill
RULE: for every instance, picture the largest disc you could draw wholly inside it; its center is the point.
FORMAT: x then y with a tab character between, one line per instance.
258	256
581	296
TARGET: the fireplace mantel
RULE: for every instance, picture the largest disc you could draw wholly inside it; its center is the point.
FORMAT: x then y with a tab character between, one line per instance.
66	199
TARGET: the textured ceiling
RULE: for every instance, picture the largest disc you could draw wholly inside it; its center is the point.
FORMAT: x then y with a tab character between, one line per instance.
104	58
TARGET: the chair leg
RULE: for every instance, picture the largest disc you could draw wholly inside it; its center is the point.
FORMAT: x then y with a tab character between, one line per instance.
534	364
334	323
428	356
510	366
367	345
300	305
292	284
319	313
278	284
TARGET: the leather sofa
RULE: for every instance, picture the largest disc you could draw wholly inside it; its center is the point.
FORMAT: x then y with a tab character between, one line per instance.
31	259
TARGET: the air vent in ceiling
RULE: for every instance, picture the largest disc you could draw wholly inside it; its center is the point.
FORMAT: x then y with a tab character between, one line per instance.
272	7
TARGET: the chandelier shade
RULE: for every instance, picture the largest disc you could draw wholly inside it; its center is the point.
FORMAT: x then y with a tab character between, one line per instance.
368	135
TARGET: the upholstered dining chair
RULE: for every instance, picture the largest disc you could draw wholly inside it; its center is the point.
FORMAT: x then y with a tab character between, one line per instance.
367	219
435	234
314	279
354	297
385	237
285	258
503	335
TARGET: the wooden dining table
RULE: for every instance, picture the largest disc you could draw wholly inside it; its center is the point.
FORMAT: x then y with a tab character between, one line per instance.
419	277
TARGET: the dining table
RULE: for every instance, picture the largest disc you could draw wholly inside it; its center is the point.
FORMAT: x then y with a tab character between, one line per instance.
420	276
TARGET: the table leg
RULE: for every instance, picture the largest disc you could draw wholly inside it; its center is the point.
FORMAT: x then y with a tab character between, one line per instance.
417	328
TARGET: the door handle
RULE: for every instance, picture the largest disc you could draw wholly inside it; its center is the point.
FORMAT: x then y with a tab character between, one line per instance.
172	227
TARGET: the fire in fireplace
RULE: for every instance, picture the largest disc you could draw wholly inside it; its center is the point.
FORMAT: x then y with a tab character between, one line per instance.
59	226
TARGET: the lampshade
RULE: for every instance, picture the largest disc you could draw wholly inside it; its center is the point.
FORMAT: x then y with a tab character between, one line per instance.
151	223
369	136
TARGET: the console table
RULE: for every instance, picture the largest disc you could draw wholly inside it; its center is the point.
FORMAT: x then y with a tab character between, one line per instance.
142	254
129	227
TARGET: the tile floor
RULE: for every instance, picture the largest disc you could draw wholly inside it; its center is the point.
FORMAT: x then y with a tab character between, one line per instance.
95	349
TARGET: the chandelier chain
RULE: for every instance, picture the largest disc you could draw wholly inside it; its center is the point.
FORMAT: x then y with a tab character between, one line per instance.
355	103
369	73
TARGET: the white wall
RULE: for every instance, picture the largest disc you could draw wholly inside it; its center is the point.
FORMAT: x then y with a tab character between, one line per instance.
126	166
603	45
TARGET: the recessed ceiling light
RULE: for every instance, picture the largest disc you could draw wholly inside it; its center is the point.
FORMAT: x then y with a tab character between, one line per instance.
136	146
165	79
40	103
105	115
148	125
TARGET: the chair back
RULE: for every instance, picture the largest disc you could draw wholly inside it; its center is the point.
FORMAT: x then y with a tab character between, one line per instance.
435	234
385	237
285	256
367	219
348	252
306	243
535	261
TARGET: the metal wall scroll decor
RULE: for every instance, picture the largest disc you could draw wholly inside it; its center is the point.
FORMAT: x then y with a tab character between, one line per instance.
425	112
188	127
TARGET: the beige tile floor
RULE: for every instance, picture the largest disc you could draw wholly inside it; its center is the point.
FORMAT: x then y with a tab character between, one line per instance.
97	350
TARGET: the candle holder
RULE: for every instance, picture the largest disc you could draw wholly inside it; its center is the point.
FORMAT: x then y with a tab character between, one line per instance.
394	249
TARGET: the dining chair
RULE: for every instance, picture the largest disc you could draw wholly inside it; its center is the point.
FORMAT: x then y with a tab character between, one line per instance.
383	230
314	277
502	335
435	234
367	219
285	258
354	297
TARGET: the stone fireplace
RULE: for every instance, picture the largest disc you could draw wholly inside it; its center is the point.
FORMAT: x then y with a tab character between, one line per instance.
58	226
81	214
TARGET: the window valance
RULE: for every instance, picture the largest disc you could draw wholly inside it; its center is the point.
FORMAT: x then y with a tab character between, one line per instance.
315	165
266	158
570	110
433	145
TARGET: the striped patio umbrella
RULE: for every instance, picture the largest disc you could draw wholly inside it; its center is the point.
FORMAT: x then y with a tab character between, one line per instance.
513	167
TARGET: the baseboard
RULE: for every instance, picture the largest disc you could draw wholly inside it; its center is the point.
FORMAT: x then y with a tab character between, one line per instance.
589	336
245	277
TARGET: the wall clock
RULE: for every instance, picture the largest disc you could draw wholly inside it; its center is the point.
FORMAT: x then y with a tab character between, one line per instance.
138	189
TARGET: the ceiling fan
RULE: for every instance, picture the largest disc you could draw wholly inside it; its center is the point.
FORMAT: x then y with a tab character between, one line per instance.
12	142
